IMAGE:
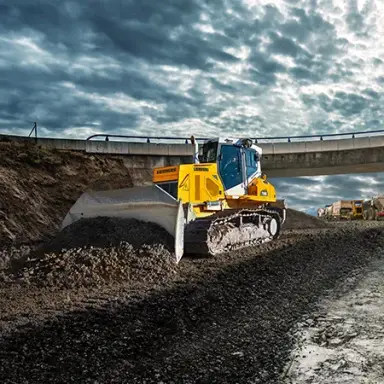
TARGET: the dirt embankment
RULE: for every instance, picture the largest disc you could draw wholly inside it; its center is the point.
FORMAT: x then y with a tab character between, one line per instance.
38	186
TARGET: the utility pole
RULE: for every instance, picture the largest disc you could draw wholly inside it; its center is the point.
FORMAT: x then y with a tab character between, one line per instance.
34	129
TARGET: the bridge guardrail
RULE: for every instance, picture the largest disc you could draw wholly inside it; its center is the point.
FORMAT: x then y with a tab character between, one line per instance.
187	140
288	139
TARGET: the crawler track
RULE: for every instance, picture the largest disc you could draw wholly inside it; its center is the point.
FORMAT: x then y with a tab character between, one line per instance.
231	230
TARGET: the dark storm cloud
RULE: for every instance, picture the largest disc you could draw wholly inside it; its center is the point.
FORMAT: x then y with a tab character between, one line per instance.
283	46
349	104
139	35
63	24
354	18
304	24
217	67
346	104
370	92
264	70
362	22
302	73
322	100
151	39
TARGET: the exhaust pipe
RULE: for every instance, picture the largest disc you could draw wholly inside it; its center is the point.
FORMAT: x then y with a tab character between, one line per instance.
196	152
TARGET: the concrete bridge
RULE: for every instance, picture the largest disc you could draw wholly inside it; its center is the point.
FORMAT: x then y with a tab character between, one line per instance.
289	159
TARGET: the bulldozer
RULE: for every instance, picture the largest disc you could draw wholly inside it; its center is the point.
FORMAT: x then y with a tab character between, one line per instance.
219	202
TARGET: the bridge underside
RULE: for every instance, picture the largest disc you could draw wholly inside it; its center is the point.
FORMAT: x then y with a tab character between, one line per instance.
367	160
323	171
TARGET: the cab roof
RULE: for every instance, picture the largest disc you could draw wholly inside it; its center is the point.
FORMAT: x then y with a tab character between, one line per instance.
229	141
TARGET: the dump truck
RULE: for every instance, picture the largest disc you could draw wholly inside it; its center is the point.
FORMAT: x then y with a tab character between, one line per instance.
220	202
373	209
340	210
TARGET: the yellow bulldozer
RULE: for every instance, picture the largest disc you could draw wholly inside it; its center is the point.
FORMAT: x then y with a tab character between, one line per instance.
219	202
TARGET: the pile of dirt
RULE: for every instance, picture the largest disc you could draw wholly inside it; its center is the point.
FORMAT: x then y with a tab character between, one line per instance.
100	250
38	186
300	220
105	232
93	266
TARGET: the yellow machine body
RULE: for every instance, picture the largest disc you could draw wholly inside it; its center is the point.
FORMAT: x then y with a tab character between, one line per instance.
357	209
200	185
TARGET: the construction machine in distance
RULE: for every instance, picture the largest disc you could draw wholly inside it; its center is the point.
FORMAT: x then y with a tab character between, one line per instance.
340	210
219	202
374	208
357	210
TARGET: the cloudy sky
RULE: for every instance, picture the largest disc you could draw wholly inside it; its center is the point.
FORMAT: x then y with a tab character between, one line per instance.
222	67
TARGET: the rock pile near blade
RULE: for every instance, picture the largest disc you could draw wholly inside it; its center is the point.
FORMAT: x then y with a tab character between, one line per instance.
108	232
101	251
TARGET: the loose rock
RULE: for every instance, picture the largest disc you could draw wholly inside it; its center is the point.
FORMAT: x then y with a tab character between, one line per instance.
98	251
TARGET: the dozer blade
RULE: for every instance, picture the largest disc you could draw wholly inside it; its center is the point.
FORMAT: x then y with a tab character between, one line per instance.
150	204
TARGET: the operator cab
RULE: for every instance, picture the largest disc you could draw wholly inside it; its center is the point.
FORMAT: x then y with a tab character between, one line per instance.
238	162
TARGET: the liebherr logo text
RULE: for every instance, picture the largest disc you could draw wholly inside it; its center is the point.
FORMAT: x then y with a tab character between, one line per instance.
201	169
166	170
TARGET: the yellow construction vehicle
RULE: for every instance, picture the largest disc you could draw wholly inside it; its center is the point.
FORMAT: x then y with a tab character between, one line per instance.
220	202
357	210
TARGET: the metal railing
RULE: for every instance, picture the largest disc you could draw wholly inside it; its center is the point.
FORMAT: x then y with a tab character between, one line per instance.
147	138
187	140
256	139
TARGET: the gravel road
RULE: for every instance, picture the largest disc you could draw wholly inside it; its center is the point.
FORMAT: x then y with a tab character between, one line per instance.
218	320
343	341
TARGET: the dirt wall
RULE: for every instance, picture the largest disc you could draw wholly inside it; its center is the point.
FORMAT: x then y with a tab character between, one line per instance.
38	186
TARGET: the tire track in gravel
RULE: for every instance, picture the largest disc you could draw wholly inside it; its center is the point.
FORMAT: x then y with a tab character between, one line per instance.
232	326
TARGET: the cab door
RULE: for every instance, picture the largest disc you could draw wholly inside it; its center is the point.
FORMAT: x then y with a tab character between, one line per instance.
231	169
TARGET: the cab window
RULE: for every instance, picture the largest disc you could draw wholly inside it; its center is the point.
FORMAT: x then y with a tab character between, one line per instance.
251	162
230	166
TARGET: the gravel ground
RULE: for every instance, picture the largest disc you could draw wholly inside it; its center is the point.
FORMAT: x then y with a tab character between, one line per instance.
219	320
342	342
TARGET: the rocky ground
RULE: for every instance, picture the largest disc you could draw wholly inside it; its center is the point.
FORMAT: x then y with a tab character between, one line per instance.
217	320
